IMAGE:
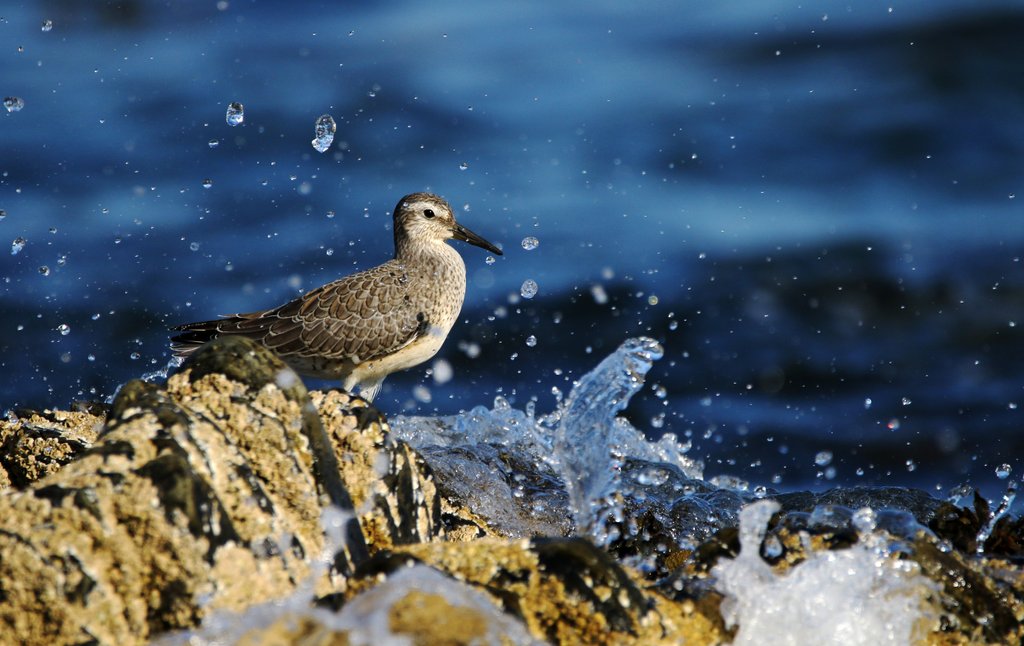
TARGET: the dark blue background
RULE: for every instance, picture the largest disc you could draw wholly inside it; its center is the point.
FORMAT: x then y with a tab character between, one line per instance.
820	198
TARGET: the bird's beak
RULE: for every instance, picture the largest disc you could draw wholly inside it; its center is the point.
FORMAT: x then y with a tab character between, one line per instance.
460	232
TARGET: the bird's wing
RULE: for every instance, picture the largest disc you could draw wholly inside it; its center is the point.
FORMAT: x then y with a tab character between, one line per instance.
359	317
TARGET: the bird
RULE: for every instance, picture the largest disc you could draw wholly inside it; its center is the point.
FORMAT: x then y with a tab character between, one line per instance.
362	327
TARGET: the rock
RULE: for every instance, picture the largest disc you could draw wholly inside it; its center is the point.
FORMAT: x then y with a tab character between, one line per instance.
566	591
202	496
234	490
392	488
37	443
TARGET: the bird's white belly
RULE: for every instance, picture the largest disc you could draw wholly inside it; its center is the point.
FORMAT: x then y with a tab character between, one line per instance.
415	353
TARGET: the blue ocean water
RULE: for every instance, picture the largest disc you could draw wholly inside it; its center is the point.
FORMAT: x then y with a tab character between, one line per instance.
812	207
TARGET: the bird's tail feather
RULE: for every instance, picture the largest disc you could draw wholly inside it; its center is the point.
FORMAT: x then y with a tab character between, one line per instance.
193	335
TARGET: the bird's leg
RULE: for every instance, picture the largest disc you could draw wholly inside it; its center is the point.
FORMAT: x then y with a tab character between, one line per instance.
369	389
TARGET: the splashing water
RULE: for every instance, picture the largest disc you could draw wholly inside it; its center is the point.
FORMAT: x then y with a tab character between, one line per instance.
850	596
1001	510
324	129
528	289
369	616
160	375
13	103
521	472
590	435
236	114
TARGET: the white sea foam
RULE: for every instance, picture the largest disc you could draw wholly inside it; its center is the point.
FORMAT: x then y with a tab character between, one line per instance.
850	597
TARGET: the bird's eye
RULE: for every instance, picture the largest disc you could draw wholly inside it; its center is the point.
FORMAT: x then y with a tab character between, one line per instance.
429	213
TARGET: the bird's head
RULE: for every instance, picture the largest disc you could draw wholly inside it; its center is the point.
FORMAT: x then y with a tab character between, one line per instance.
425	218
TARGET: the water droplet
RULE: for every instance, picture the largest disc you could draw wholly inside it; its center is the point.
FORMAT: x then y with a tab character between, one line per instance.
867	403
44	270
213	143
530	243
653	476
52	229
64	329
62	260
1003	471
472	350
894	424
865	520
773	547
135	356
531	341
600	296
652	300
443	371
463	166
235	114
325	129
3	214
194	246
528	289
47	25
823	458
672	325
489	260
330	214
207	183
18	245
329	251
13	103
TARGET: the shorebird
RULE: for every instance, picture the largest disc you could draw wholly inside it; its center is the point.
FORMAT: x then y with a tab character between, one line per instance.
361	328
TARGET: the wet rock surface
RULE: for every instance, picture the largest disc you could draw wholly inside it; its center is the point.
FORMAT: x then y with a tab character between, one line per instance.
234	490
42	442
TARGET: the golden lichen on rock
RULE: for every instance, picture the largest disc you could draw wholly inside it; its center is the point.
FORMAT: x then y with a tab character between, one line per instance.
430	620
559	604
392	489
38	443
204	491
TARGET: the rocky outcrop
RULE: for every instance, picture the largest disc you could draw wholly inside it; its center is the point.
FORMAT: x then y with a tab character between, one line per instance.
232	488
205	495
